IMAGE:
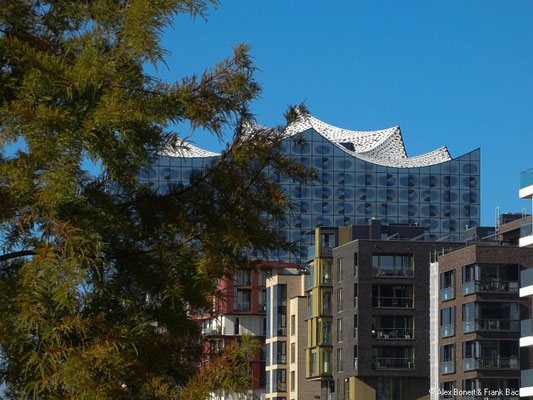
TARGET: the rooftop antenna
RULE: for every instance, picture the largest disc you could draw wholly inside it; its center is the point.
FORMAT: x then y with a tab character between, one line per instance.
497	218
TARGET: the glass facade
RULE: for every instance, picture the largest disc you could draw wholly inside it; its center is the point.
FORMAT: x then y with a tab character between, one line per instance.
444	198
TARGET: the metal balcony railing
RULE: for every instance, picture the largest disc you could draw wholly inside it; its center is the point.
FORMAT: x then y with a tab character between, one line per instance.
393	333
392	302
393	363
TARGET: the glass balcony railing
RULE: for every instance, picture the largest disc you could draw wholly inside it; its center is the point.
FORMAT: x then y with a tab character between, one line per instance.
447	293
447	367
526	178
393	363
526	378
381	272
447	330
392	302
526	277
393	333
310	253
486	286
526	328
491	325
473	363
526	227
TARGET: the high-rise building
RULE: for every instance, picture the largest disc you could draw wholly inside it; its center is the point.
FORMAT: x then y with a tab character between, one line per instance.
526	282
477	322
368	311
361	175
286	336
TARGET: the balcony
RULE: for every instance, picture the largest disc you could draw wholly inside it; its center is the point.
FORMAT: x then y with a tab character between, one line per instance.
476	363
447	293
486	286
392	302
526	383
526	234
241	306
526	333
447	367
393	363
447	330
406	272
491	325
526	282
393	333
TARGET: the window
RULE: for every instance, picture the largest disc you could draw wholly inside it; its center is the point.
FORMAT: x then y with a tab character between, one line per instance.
346	389
293	353
355	264
447	359
355	326
355	297
293	381
392	266
281	380
340	335
243	277
236	327
447	322
326	302
340	366
326	332
392	296
355	357
242	300
339	270
326	271
312	363
263	275
280	310
326	361
447	285
267	386
293	324
280	352
339	300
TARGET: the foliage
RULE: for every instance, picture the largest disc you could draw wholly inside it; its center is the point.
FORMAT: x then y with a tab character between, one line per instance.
98	274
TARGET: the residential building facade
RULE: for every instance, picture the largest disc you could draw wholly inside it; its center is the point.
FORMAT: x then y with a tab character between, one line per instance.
286	335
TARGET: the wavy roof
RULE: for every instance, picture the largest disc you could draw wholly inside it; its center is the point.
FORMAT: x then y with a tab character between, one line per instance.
383	147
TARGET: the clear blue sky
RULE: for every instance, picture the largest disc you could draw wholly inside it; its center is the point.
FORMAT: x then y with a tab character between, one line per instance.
455	73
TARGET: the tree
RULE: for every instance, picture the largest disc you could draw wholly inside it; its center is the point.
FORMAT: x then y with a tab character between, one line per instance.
99	274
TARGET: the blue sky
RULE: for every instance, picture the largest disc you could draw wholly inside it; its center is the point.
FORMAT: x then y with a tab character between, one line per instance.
455	73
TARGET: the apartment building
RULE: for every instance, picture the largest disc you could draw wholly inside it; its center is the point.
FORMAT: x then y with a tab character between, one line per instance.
479	313
368	325
286	335
526	283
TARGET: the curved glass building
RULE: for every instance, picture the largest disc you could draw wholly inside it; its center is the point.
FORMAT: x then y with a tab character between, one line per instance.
361	175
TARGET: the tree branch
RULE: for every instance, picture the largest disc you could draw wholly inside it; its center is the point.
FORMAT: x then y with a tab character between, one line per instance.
17	254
